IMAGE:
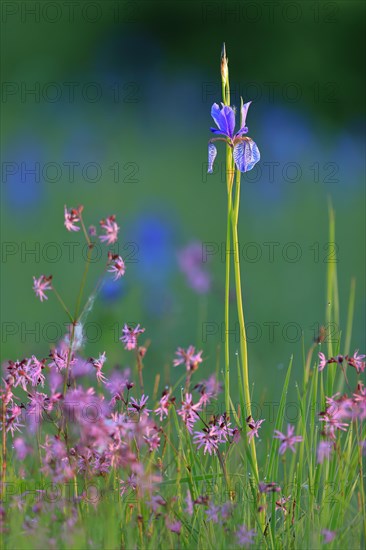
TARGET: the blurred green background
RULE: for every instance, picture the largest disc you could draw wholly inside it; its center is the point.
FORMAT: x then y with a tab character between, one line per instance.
107	104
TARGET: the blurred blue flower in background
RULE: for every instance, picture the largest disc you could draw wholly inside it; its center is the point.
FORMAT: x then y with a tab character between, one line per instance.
286	134
154	236
22	178
158	300
289	144
83	145
111	290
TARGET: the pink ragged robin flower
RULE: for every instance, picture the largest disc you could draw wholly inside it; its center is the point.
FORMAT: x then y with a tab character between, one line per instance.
40	286
344	407
254	426
191	263
111	229
27	371
328	536
280	504
117	265
359	400
244	536
98	365
219	513
356	361
152	438
173	526
288	440
72	217
130	483
117	384
13	418
323	361
324	451
271	487
156	502
163	408
209	389
141	481
188	412
332	419
208	439
61	358
189	503
130	335
22	449
6	393
213	513
139	406
223	430
37	405
189	357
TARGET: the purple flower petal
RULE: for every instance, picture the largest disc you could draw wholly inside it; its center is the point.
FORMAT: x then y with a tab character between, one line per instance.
216	131
212	152
224	118
246	155
217	116
244	112
229	116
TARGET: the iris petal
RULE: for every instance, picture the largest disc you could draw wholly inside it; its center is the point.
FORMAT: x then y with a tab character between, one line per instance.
224	118
229	116
212	152
217	116
216	131
244	112
246	155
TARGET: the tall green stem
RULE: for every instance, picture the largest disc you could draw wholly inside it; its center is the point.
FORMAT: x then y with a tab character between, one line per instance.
229	184
230	181
243	338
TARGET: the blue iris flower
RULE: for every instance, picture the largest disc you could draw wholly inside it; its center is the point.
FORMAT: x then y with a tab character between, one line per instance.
245	151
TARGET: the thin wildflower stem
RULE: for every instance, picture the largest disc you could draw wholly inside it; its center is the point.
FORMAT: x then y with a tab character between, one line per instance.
85	231
94	293
69	354
63	305
3	453
83	281
139	370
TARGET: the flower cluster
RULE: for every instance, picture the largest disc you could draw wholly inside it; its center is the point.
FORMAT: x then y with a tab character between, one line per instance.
356	361
115	262
340	410
214	433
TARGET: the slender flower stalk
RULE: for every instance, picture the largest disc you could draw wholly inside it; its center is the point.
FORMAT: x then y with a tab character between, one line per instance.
3	451
241	156
229	183
62	303
243	338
